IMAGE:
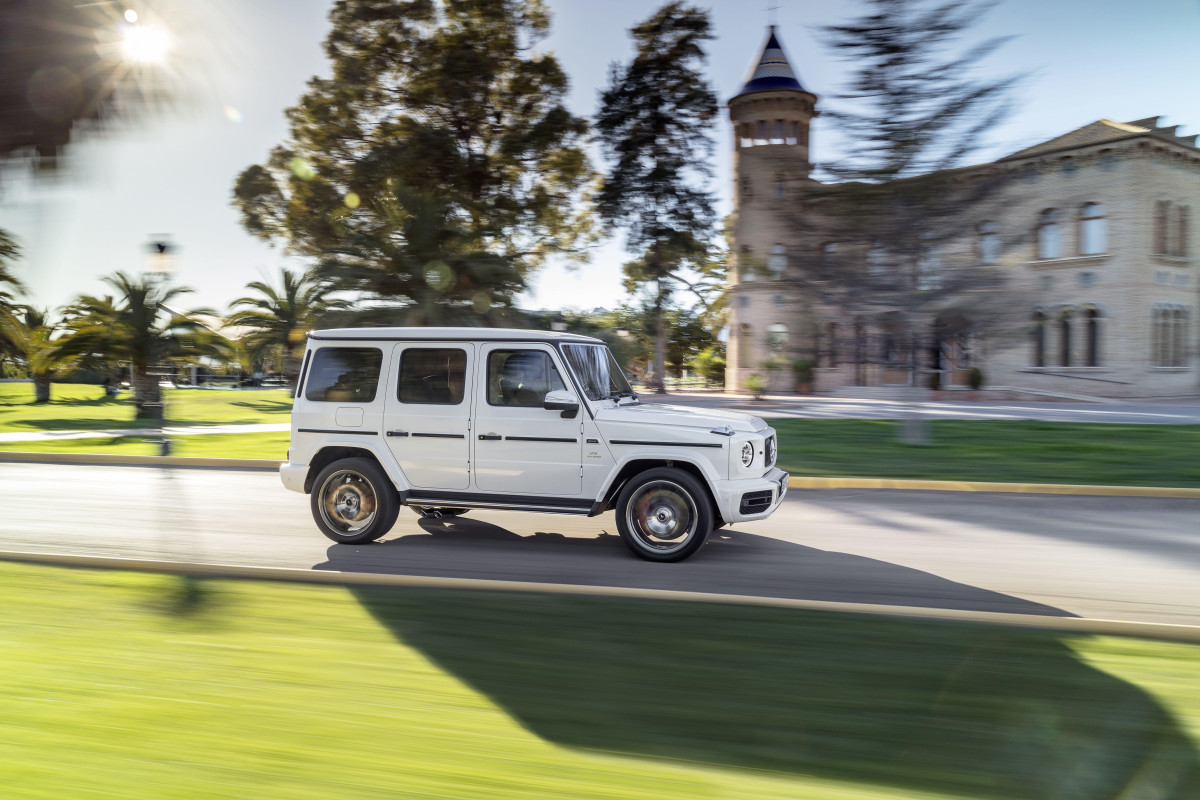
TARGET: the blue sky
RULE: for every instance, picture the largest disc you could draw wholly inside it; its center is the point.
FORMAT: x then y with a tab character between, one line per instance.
1088	59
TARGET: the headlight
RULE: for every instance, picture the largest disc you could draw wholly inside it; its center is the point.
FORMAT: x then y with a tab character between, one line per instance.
747	454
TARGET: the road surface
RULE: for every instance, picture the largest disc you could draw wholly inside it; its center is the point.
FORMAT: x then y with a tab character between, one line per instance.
1101	557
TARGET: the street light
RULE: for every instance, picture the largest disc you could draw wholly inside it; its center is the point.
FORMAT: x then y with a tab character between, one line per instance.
558	324
160	265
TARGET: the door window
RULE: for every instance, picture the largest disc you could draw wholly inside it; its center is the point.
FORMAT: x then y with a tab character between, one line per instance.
521	378
432	376
344	375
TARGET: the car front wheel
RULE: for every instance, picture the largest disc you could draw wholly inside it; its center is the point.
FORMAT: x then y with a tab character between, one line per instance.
664	514
353	501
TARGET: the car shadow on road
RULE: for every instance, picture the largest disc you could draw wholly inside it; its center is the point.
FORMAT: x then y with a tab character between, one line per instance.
733	562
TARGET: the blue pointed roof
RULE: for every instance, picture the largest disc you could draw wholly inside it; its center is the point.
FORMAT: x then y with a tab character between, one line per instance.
772	72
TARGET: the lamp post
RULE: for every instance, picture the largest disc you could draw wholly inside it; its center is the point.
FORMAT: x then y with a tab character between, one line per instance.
160	265
558	324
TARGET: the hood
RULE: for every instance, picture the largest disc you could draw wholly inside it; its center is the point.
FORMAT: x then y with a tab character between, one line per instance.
681	416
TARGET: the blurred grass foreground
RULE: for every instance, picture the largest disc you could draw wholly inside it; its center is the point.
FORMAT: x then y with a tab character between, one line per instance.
1018	451
151	686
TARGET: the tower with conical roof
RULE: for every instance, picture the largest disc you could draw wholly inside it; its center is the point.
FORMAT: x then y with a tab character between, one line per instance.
771	116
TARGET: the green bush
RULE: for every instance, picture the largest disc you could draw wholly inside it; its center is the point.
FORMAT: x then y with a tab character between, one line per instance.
756	385
975	378
804	370
774	362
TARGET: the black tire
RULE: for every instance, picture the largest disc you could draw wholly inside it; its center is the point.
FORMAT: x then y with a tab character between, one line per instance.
664	514
353	501
438	511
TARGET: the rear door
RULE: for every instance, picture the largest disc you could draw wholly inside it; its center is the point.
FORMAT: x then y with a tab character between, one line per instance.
428	413
520	447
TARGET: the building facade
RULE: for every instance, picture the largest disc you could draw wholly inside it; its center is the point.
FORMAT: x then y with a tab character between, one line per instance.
1093	238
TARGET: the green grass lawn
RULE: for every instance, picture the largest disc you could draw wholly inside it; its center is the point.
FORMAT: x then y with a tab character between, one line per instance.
149	686
81	407
985	450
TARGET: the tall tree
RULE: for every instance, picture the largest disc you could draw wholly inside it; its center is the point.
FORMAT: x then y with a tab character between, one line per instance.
137	327
437	167
279	318
654	125
886	237
10	288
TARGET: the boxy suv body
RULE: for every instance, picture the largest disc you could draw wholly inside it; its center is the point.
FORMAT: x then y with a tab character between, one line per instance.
444	420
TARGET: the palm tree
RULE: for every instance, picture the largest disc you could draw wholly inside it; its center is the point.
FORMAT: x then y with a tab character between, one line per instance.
10	287
33	342
137	328
278	319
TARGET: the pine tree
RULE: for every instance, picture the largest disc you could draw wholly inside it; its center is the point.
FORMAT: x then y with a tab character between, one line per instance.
654	125
437	167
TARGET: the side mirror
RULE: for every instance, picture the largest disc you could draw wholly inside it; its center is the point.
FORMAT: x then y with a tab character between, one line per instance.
562	400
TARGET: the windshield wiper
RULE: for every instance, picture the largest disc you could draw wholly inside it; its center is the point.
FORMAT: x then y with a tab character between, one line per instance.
618	395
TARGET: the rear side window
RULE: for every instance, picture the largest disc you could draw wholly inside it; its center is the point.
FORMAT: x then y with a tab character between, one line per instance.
344	375
432	376
521	378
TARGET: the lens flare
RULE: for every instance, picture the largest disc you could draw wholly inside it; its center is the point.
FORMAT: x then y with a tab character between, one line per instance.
481	303
131	16
352	201
439	276
146	44
302	170
232	114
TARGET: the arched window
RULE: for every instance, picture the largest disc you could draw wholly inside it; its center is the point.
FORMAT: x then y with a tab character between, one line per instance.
1162	210
777	263
1093	230
1092	334
929	264
1179	338
1039	338
760	135
1048	245
746	264
777	138
1064	338
1169	335
777	336
828	260
1181	234
988	242
831	342
745	345
793	133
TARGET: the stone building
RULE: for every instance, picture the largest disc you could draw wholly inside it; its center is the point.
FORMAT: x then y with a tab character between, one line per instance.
1093	238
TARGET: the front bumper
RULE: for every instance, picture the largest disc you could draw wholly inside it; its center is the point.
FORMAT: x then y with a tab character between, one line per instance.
754	498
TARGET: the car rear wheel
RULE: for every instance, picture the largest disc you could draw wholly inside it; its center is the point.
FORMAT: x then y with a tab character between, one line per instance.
353	501
664	514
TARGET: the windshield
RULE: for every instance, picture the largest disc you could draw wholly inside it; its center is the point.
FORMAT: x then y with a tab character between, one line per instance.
598	372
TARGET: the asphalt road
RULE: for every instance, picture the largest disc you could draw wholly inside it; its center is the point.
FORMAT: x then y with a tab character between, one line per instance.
1109	558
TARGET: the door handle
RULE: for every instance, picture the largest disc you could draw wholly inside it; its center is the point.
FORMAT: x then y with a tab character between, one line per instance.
397	433
489	437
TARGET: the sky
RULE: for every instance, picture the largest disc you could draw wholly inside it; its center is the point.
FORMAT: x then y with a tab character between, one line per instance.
245	61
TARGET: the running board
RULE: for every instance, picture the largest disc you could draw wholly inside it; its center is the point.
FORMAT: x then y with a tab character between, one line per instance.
542	505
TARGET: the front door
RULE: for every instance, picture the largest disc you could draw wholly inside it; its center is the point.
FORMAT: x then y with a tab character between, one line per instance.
520	447
428	414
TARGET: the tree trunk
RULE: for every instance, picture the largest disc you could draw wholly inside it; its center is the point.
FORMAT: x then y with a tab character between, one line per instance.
914	428
147	396
41	388
291	370
660	345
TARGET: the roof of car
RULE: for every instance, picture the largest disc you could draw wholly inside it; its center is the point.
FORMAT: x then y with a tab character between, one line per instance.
448	335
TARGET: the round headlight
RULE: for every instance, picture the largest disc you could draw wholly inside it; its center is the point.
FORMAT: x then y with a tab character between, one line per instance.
747	454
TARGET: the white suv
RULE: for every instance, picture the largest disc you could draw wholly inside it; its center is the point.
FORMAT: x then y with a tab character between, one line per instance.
449	419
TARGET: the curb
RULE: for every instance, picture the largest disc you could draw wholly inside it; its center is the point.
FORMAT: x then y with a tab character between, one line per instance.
799	482
794	482
139	461
1072	625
